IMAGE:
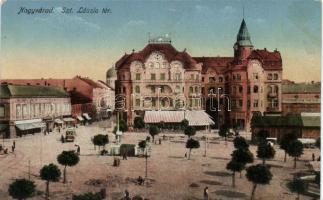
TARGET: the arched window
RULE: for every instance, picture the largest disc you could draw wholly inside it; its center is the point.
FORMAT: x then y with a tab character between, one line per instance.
255	89
191	89
270	77
196	89
276	89
240	89
220	79
275	76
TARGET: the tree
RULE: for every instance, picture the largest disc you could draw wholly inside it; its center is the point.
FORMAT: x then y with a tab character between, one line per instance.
143	145
285	140
223	131
184	124
21	189
67	158
240	142
50	173
298	186
192	144
258	174
122	126
139	123
318	143
242	156
265	151
189	131
88	196
235	166
153	130
262	136
100	140
295	149
317	178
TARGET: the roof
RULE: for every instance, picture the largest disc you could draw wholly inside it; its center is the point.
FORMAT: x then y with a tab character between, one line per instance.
195	118
286	121
243	37
111	73
301	88
105	84
167	49
269	60
90	82
217	63
25	91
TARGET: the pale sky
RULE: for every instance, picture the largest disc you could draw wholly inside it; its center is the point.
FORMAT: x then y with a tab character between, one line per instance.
64	45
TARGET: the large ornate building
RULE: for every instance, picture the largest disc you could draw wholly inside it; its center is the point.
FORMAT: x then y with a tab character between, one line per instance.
159	77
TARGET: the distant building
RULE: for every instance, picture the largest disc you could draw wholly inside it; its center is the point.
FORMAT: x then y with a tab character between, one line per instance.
304	125
301	97
111	77
89	98
159	77
28	109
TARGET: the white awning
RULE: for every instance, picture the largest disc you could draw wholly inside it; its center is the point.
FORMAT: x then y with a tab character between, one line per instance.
68	119
80	118
27	121
195	117
86	116
28	126
59	121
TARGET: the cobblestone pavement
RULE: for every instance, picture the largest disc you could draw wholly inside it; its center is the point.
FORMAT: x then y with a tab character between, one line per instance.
170	174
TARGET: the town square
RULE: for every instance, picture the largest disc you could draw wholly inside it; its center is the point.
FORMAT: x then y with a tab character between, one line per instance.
191	100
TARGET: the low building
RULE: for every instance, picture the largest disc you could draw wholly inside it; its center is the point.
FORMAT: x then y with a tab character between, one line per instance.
304	125
88	97
301	97
28	109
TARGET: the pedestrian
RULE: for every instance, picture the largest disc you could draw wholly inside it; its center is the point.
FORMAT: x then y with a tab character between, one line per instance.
14	143
59	129
186	155
313	157
78	150
13	148
127	195
206	193
159	140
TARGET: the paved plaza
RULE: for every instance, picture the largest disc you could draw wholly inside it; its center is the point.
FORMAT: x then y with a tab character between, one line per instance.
170	174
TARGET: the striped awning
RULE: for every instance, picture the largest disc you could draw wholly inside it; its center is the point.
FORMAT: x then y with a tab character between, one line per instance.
29	126
195	118
58	121
80	118
86	116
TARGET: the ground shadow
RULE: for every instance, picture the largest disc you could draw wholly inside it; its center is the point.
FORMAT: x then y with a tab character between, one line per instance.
176	157
230	194
275	166
209	182
217	173
220	158
194	185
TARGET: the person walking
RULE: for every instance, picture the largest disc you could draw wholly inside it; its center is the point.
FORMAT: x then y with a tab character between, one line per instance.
78	150
14	143
206	193
313	157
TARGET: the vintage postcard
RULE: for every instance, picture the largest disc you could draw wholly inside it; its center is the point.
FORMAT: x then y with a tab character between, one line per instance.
160	100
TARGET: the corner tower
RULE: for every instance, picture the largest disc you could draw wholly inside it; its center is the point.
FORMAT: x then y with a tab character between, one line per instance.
243	46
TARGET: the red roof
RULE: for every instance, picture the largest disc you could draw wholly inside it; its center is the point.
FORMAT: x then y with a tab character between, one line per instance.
217	63
269	60
168	50
90	82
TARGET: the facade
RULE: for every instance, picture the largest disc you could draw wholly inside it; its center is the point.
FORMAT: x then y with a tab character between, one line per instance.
304	125
27	109
301	97
230	89
87	96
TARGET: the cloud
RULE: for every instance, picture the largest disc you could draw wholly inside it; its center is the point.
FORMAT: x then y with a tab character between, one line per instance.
58	17
228	10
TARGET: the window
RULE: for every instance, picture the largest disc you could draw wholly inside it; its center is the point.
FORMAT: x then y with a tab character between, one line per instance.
238	77
137	89
275	76
2	114
255	103
233	103
233	77
211	79
162	89
248	103
18	111
178	76
153	90
164	64
153	76
255	89
151	65
197	77
276	89
220	79
270	77
157	65
255	76
248	89
162	76
240	102
234	89
191	89
202	79
192	76
177	89
24	111
196	89
240	89
137	102
137	76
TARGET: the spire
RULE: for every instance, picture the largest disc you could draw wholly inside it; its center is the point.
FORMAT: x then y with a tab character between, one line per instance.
243	37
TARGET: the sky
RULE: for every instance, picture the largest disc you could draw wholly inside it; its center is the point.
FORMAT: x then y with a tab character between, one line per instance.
60	45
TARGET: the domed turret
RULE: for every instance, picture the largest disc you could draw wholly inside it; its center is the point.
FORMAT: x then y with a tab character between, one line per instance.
111	76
